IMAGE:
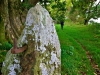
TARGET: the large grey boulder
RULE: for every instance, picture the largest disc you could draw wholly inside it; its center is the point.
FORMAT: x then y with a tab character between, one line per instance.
43	56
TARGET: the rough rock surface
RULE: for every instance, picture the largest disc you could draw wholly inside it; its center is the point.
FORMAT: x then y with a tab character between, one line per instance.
43	56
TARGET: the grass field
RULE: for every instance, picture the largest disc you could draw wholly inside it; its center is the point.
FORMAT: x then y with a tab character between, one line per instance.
80	47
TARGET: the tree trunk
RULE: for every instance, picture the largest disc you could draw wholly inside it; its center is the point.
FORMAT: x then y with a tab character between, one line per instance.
11	17
86	20
14	17
33	2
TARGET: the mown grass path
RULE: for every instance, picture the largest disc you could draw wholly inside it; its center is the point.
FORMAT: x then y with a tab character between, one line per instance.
80	49
89	56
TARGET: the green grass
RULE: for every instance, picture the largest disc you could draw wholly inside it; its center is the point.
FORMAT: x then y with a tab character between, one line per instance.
74	58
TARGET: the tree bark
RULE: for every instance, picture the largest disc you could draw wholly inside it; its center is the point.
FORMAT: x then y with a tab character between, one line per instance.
14	17
13	21
33	2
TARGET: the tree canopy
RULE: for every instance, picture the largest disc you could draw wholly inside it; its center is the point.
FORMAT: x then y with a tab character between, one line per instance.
86	8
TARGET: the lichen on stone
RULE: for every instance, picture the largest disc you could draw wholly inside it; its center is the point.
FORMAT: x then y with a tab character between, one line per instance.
43	54
11	65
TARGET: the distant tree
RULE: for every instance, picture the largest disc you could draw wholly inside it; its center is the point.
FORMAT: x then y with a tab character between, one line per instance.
86	9
93	12
58	10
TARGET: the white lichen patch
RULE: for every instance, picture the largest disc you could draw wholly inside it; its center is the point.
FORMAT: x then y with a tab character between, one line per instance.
11	64
29	20
16	61
54	59
11	70
44	69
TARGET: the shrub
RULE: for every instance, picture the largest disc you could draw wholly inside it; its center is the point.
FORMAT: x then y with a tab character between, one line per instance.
95	27
5	46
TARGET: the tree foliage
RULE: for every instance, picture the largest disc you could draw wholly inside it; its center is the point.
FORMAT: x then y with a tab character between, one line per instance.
86	8
58	10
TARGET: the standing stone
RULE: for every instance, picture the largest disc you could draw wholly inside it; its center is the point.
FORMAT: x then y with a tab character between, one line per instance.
43	56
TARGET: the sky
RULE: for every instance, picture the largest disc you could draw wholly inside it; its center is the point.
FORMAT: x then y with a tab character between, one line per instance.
97	2
95	20
21	0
